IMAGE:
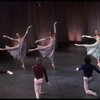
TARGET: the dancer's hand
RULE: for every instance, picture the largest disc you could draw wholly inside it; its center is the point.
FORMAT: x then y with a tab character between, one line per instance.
77	69
76	44
4	36
40	40
36	41
9	72
30	50
30	26
83	36
55	23
49	84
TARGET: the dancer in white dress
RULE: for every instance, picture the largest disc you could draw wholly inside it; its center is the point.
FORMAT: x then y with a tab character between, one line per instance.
19	51
48	50
93	49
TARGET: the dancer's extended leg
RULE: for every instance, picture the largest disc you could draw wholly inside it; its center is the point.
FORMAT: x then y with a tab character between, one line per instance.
52	61
23	65
86	87
9	48
98	60
80	44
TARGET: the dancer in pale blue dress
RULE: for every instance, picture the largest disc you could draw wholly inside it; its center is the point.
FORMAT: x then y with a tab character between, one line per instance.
93	49
19	51
48	50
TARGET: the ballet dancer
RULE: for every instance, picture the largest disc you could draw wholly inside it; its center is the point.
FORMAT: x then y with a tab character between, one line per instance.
93	49
48	50
6	72
88	77
19	51
39	71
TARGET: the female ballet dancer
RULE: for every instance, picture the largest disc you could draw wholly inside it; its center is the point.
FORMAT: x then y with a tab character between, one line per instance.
93	49
88	69
19	51
48	50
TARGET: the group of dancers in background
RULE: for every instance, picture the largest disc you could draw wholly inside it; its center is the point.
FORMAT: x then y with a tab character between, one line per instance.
19	52
93	50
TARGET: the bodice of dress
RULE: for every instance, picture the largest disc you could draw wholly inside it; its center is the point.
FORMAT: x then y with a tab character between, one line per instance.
20	41
52	41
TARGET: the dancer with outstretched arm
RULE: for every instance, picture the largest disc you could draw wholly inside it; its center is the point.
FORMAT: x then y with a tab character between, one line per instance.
93	49
48	50
19	51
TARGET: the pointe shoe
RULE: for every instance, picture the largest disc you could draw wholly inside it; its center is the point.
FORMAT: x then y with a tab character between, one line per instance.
31	50
9	72
95	94
77	44
53	66
2	49
23	67
99	65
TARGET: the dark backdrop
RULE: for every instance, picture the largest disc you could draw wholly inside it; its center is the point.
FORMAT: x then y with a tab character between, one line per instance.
74	18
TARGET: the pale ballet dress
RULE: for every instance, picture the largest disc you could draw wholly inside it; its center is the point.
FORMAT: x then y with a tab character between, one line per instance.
94	49
48	51
19	52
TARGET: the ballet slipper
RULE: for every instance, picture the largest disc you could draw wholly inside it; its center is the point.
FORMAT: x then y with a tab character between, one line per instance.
23	67
99	65
31	50
77	44
95	94
53	66
9	72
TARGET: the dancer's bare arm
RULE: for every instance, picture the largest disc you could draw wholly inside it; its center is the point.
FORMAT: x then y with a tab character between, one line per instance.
43	39
55	28
10	48
40	48
27	31
94	37
5	36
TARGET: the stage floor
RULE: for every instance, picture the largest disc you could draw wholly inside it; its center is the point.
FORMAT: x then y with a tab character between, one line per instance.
66	82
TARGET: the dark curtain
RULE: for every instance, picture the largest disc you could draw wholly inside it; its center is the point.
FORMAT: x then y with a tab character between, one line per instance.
74	18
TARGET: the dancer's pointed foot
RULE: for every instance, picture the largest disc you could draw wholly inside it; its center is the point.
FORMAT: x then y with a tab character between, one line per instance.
94	94
23	67
99	65
31	50
9	72
53	66
77	44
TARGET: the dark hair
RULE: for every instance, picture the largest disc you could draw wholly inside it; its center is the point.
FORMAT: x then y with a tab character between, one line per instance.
51	33
87	60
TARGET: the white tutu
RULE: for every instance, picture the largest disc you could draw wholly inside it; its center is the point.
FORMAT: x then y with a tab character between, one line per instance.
48	51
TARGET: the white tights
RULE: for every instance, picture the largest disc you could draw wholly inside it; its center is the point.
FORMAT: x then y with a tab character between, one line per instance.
37	86
86	86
